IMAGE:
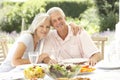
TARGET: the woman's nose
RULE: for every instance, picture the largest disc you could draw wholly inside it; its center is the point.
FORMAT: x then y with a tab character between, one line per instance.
45	29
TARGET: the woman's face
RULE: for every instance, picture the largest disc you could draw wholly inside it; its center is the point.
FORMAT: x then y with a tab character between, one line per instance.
43	29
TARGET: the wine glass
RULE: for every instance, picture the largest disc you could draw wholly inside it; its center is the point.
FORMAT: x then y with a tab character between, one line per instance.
55	54
33	57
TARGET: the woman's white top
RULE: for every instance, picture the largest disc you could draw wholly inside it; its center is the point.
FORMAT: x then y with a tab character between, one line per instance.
27	39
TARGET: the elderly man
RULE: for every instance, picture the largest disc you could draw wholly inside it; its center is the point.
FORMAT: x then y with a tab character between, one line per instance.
62	44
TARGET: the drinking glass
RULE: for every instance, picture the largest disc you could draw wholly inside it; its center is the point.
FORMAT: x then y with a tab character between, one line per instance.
33	57
55	54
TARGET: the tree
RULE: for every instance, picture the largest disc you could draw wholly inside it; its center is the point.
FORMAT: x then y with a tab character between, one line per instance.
18	11
108	11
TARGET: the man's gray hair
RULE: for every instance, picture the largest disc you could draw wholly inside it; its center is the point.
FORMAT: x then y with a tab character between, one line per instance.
55	9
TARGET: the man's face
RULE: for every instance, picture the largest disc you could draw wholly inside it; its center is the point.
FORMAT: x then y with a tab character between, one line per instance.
57	20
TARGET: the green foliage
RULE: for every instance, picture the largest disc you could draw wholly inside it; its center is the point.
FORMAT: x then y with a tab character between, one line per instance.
11	20
71	8
90	20
27	10
31	8
75	20
109	21
108	11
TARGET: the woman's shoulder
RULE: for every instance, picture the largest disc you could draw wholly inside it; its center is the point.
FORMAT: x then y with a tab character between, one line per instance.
24	37
51	33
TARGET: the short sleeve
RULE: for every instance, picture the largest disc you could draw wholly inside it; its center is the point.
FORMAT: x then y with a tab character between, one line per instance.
89	48
26	39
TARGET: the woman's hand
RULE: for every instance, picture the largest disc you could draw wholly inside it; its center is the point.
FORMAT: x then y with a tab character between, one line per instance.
75	28
52	61
42	57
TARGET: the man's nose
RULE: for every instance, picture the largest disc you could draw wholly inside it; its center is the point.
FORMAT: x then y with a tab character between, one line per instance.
58	22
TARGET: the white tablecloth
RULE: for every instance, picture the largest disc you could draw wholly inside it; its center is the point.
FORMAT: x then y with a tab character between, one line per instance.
98	74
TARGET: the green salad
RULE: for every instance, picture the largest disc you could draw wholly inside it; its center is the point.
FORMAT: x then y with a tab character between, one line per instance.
63	70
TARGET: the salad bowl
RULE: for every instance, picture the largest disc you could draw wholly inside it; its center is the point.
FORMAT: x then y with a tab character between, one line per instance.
62	71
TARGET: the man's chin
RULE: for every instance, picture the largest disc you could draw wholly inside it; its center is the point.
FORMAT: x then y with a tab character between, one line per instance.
60	27
43	36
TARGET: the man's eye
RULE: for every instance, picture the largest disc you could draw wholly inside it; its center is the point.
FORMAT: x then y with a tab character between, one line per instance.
48	26
60	18
53	21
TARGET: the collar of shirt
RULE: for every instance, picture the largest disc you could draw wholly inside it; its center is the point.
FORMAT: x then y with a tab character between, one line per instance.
70	34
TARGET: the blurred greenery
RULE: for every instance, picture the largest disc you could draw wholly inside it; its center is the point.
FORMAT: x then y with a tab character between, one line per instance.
19	10
109	13
92	20
74	9
93	15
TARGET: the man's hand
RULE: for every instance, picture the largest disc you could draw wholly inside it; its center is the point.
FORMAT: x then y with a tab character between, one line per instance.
94	59
75	28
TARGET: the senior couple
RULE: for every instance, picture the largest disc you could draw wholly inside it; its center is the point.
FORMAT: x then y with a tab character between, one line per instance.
66	40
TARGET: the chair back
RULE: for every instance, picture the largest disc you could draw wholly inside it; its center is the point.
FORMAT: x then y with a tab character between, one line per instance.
100	43
3	50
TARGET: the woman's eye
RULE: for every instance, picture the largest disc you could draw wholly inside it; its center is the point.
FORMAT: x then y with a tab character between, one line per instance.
41	26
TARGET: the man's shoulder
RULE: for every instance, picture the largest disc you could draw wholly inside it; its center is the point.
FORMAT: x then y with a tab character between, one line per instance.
83	32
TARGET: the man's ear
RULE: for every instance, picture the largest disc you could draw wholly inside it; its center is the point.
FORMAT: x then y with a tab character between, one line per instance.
51	23
65	18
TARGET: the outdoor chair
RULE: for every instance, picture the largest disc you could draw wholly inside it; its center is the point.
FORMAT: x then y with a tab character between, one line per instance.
3	50
100	43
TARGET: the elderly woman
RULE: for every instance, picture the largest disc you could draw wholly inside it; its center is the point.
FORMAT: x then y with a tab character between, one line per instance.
30	41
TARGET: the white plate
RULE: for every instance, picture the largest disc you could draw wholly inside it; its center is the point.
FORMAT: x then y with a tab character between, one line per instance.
75	60
85	73
22	67
106	65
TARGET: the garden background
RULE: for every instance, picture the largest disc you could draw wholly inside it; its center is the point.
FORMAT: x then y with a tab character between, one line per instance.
98	17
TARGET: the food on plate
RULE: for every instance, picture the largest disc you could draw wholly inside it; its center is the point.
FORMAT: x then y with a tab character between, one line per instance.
80	78
62	78
78	61
34	72
63	70
86	68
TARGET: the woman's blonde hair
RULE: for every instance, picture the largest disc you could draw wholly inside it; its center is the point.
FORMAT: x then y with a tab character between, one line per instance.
38	20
